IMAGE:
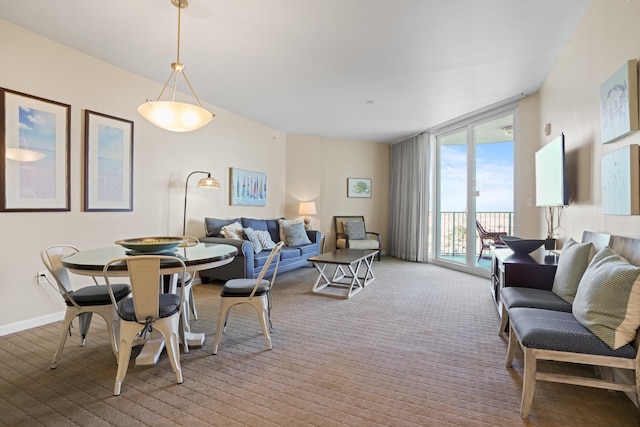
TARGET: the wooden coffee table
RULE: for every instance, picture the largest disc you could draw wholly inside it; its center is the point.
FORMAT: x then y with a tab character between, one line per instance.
352	280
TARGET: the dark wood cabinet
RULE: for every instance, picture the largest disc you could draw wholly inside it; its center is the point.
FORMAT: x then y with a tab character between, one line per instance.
535	270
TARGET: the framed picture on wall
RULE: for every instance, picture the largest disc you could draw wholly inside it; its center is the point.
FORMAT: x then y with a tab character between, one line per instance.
359	187
619	103
35	148
108	163
248	188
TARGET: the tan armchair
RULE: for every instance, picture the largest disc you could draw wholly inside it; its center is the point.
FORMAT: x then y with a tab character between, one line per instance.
354	234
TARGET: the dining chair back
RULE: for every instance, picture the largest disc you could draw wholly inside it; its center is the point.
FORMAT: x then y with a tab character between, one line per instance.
256	292
148	309
189	301
82	302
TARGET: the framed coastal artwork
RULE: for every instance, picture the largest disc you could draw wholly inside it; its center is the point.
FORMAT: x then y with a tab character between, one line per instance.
108	163
619	103
621	181
34	146
248	188
359	187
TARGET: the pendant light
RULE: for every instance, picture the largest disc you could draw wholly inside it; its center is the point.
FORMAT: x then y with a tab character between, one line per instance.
172	115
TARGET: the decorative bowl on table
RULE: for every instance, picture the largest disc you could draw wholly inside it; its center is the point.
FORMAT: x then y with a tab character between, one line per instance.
151	244
522	246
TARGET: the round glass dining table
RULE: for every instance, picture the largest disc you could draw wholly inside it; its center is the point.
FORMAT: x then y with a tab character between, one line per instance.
201	256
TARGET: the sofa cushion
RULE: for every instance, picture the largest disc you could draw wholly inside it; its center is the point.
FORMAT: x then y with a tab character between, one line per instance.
213	226
253	238
265	239
273	225
289	252
560	331
355	230
573	262
256	224
233	231
608	299
308	250
296	234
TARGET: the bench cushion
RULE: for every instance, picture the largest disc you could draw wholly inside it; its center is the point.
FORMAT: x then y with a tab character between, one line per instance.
533	298
608	298
560	331
573	261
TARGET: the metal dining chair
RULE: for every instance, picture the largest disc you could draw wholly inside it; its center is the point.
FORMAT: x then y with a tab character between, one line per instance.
82	302
256	292
148	308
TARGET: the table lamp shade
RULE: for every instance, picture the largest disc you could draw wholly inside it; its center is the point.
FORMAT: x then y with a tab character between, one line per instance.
307	208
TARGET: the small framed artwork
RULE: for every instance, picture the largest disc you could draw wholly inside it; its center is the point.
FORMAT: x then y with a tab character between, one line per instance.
108	163
358	187
619	103
248	188
34	146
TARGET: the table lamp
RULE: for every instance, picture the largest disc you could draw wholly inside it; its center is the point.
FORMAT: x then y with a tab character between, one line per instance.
307	208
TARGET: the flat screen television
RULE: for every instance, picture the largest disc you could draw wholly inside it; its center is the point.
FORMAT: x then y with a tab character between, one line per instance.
552	187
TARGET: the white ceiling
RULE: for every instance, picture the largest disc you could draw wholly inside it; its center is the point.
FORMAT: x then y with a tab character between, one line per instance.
310	66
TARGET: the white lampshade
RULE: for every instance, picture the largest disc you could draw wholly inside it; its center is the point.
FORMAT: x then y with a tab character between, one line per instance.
209	182
175	116
307	208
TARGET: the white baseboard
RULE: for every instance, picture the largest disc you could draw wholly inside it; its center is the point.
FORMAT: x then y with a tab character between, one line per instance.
31	323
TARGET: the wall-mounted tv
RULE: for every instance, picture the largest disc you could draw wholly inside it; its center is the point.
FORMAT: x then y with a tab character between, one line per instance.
552	187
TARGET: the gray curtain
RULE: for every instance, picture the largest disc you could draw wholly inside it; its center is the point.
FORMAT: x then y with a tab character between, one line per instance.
409	199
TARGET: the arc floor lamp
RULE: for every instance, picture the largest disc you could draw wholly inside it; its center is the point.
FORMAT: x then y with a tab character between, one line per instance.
207	182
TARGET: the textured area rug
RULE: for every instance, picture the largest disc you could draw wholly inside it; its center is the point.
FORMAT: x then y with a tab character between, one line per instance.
418	346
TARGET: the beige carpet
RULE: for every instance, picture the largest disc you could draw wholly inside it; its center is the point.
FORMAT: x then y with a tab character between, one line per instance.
416	347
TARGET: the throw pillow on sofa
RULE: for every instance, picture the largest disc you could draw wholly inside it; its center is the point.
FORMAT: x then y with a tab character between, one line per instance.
608	299
265	239
233	231
285	223
253	238
295	234
574	260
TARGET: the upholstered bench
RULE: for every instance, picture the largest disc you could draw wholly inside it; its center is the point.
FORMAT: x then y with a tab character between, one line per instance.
573	262
601	330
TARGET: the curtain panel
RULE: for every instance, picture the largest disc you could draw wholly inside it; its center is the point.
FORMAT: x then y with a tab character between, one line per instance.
409	199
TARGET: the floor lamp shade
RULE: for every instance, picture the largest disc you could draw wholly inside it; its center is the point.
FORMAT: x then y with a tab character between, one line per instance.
206	182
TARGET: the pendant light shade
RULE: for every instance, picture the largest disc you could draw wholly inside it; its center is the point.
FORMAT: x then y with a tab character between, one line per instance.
23	155
172	115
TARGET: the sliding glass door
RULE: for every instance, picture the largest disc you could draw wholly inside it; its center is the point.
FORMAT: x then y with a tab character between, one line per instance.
474	185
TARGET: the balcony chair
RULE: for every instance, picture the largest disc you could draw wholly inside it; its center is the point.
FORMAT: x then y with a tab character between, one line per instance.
256	292
82	302
489	238
148	309
351	233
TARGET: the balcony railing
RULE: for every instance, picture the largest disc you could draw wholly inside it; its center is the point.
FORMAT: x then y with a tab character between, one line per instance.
453	229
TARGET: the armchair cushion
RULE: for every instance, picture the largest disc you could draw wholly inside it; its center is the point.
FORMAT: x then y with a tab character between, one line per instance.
355	230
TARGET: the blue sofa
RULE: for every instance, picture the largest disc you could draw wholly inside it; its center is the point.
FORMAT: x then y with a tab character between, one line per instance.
247	264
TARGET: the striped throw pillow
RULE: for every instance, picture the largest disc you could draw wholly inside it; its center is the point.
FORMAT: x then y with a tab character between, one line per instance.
607	301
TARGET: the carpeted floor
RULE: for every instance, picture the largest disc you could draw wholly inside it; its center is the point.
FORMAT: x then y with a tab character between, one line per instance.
418	346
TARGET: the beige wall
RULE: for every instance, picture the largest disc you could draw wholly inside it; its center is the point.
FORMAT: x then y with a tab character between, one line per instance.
162	160
317	170
569	99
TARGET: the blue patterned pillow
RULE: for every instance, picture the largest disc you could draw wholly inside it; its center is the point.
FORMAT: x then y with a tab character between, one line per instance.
265	239
253	238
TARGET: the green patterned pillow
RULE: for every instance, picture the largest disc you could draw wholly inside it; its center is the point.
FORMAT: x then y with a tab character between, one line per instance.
574	259
608	299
